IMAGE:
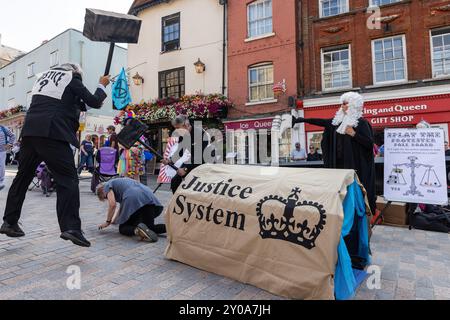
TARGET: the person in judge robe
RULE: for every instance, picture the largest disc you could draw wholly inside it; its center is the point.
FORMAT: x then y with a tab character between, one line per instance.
347	143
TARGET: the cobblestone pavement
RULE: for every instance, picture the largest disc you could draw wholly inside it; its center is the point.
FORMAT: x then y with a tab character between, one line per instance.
414	264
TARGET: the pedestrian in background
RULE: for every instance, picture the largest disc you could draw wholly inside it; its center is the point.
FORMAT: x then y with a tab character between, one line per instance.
7	140
298	154
313	154
87	155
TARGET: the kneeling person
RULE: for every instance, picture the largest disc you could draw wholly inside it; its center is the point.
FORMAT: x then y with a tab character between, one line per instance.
138	208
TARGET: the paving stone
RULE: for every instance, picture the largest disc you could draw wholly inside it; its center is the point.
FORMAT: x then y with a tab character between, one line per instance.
424	282
425	293
407	274
415	264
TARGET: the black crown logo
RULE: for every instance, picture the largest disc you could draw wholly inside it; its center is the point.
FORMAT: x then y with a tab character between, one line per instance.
291	227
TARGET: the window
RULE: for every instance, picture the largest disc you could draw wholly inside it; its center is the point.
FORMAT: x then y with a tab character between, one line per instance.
171	33
2	82
382	2
259	17
285	145
11	103
389	59
336	68
31	70
171	83
54	58
315	139
261	83
440	43
12	79
332	7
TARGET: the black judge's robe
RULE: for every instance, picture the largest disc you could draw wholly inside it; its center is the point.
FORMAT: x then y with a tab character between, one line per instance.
355	153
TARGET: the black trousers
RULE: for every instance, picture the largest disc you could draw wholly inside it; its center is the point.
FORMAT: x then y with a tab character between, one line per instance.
175	183
59	158
145	215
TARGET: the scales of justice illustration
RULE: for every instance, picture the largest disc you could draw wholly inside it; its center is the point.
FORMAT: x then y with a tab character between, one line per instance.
429	179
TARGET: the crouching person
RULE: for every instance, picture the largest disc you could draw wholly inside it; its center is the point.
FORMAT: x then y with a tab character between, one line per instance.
138	209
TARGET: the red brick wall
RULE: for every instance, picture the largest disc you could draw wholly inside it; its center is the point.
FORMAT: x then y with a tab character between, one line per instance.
279	49
416	19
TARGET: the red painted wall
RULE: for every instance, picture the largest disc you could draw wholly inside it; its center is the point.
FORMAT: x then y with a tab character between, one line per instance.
279	49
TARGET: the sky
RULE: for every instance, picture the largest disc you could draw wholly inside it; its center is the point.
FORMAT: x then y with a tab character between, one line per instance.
25	24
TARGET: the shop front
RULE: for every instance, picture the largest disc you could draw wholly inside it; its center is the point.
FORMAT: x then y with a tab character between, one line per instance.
389	113
249	141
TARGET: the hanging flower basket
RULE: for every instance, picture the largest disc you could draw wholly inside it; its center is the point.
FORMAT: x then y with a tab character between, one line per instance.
196	106
11	112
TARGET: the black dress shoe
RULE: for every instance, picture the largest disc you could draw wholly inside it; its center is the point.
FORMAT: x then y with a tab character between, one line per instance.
76	237
12	231
145	233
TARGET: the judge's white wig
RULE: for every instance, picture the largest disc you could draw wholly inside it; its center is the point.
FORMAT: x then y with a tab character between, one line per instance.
351	117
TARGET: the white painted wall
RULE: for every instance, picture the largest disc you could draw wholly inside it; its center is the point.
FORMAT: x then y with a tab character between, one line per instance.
201	37
92	57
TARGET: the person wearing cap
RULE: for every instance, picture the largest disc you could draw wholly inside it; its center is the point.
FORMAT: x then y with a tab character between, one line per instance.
51	124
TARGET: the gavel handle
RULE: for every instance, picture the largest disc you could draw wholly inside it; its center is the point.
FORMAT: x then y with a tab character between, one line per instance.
110	57
141	141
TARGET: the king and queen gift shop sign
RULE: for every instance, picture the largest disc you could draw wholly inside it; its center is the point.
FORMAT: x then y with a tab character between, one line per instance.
414	166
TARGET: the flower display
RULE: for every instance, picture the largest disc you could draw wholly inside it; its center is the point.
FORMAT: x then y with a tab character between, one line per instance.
10	112
198	106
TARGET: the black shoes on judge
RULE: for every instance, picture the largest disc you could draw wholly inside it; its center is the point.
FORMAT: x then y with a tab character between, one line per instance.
12	231
76	237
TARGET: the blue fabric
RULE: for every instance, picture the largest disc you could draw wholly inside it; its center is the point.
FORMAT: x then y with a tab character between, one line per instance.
360	276
148	155
345	282
121	92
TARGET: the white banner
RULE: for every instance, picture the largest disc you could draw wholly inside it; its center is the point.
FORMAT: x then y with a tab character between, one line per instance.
414	166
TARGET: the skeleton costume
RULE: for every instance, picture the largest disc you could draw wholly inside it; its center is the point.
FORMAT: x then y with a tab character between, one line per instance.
342	151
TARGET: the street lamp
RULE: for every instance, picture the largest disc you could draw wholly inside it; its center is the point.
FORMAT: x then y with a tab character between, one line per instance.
200	67
137	79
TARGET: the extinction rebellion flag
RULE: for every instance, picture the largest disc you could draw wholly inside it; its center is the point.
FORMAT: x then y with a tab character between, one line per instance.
120	91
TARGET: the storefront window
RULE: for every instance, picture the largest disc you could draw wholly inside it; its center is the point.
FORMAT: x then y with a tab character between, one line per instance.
315	139
285	146
165	134
264	146
241	146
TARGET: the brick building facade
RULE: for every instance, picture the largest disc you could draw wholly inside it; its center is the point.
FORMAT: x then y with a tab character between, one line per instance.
262	52
397	55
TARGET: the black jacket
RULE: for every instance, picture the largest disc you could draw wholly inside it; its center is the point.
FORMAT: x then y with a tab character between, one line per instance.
58	98
197	151
358	152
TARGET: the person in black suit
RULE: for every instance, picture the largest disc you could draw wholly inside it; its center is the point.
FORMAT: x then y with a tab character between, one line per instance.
186	129
50	128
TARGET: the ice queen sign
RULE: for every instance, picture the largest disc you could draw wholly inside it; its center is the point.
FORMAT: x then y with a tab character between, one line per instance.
414	166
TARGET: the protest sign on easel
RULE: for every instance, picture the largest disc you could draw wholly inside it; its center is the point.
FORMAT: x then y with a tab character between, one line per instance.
414	166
